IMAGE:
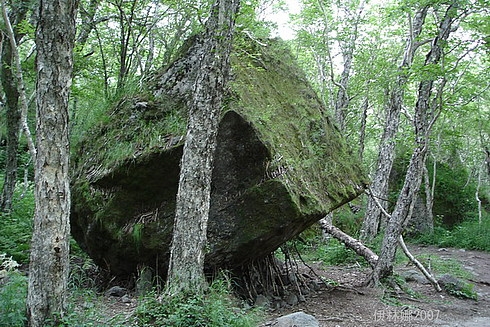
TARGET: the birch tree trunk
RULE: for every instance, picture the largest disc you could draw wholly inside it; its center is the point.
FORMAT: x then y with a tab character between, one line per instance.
348	48
13	117
186	265
362	131
12	114
49	260
424	119
386	154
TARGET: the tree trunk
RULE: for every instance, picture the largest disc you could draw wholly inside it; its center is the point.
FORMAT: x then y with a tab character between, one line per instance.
362	131
429	199
487	160
49	260
386	154
424	119
400	215
125	33
477	196
326	221
13	116
87	15
13	127
186	267
348	48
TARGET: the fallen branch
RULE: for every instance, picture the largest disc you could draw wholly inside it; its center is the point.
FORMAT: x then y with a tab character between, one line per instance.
351	243
417	263
409	255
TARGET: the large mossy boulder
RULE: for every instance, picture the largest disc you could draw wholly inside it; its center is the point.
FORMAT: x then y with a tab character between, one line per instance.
280	165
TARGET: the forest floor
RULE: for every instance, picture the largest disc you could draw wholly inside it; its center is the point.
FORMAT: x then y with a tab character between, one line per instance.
343	301
349	304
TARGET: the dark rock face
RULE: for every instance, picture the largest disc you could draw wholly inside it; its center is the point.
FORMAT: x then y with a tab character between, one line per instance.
280	166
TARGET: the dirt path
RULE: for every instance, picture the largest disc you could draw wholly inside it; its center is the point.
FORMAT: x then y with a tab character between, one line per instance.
348	304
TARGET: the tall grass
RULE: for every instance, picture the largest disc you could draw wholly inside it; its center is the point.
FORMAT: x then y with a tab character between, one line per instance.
470	235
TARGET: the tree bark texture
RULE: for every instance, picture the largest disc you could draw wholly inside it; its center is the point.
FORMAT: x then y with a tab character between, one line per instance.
186	268
386	154
413	179
13	116
362	131
49	260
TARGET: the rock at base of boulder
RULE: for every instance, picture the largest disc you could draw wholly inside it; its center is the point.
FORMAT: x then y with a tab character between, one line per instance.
296	319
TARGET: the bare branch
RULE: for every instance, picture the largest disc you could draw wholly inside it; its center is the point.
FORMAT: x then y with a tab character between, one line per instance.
417	263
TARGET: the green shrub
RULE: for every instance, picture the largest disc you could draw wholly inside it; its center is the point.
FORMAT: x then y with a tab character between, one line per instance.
335	253
13	294
462	290
86	308
217	308
24	161
16	226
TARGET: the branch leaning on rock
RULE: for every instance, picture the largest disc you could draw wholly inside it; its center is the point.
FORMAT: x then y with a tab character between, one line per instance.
409	255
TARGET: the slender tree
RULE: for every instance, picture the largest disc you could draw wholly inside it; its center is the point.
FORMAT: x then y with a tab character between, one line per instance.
11	84
386	155
186	268
425	117
49	260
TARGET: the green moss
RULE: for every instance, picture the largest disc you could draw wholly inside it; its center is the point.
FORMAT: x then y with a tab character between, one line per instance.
135	127
283	165
309	154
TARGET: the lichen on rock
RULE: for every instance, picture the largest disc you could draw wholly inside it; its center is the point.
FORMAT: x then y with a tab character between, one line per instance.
280	166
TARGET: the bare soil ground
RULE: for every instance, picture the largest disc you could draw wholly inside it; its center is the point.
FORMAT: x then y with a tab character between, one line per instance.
343	301
349	304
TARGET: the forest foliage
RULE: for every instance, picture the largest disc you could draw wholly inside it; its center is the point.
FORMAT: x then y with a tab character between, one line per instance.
121	44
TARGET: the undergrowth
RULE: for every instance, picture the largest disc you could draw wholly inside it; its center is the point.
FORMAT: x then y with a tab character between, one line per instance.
16	226
470	235
216	308
13	293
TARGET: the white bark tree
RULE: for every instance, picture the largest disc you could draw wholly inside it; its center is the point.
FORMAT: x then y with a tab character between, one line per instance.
424	118
386	153
49	260
15	97
186	267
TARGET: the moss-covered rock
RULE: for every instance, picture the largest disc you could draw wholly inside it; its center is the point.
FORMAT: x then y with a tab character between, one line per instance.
280	166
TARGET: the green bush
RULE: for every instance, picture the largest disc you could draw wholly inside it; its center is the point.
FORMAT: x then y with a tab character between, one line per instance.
217	308
24	161
16	226
13	293
86	308
335	253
